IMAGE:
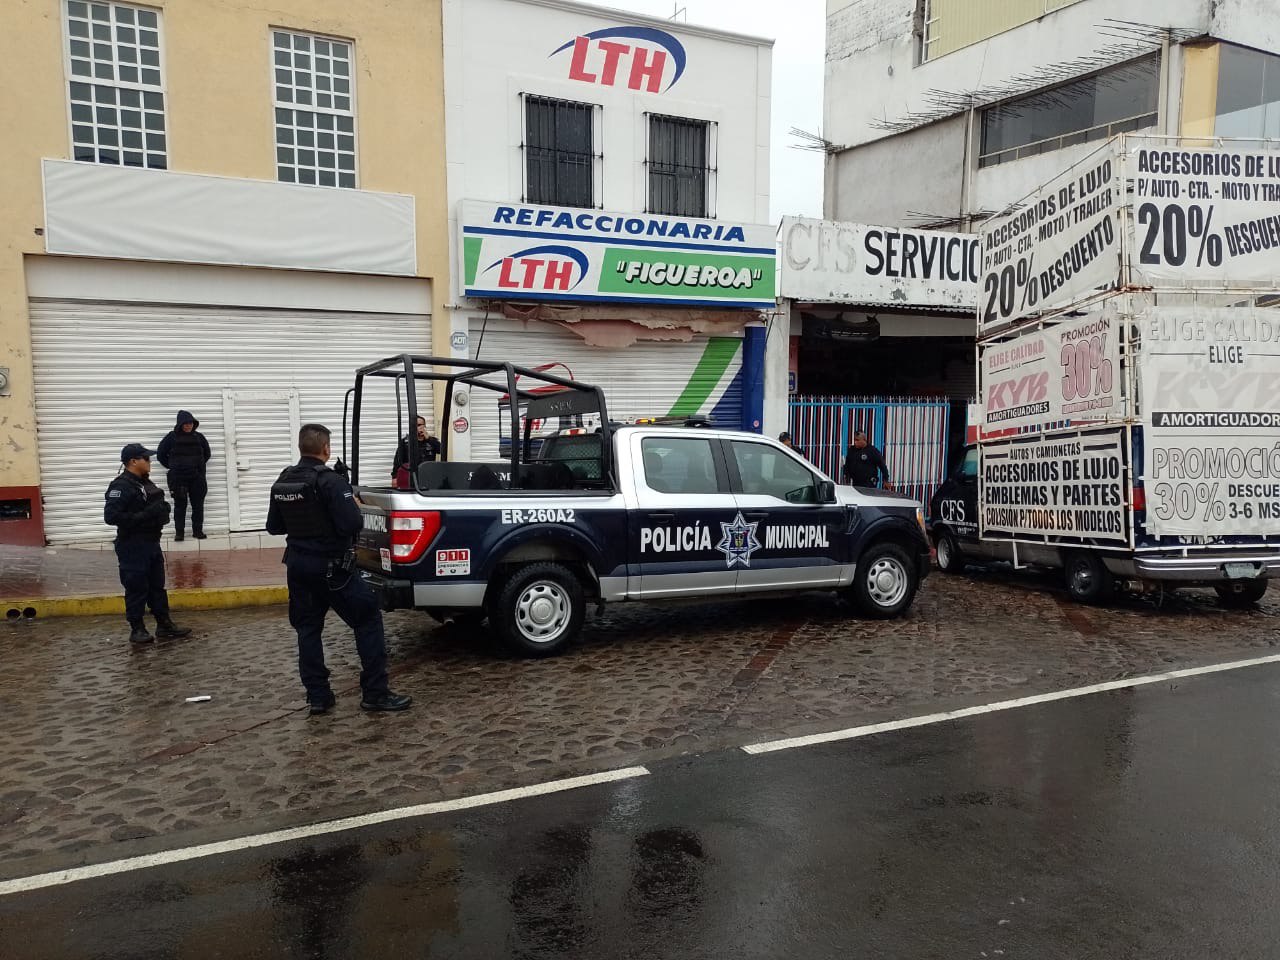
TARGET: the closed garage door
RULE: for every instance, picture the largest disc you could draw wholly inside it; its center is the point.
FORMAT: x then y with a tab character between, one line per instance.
647	379
110	373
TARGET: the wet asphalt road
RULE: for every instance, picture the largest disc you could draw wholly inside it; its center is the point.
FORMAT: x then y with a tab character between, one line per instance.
1139	823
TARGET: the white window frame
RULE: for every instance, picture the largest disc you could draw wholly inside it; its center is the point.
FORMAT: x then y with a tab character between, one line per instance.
277	104
64	15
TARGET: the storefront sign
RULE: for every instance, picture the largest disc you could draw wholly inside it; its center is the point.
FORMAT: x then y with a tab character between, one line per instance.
1211	402
1056	247
548	253
824	261
1070	486
636	57
1204	216
1066	372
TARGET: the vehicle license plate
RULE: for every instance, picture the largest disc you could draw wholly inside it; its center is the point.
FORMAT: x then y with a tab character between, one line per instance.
1240	571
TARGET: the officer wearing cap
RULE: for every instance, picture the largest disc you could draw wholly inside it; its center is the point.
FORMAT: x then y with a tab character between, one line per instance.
316	509
138	510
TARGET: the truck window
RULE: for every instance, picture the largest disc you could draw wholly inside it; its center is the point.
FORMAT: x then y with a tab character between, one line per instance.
679	465
767	471
968	469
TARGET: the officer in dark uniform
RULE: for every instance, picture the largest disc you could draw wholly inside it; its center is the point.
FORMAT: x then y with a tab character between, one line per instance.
316	508
139	511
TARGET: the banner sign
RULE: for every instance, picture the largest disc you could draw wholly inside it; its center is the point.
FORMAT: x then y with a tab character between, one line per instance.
1204	217
1070	486
1211	402
523	252
1058	246
825	261
1065	372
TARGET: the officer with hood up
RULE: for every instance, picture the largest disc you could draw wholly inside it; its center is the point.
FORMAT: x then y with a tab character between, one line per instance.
184	452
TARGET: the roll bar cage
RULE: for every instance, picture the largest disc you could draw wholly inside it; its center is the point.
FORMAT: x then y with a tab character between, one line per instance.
408	369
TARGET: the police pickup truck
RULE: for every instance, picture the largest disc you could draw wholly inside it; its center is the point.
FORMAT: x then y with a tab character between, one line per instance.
613	513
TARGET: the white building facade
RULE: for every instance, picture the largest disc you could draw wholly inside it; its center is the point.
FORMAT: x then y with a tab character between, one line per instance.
608	181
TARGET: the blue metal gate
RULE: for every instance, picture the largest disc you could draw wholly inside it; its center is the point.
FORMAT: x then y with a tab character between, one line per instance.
911	432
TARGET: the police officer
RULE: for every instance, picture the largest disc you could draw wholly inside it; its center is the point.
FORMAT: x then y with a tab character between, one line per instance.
139	511
316	508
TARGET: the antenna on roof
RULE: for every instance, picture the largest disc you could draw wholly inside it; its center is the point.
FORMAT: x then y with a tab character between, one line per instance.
679	12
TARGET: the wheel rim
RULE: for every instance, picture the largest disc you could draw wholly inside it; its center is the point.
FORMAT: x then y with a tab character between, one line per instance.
887	582
543	611
944	552
1081	578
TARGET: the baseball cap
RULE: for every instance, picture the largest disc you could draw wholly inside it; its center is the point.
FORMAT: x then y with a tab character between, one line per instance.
135	451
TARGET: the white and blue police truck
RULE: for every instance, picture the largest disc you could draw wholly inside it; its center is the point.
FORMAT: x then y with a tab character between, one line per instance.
606	513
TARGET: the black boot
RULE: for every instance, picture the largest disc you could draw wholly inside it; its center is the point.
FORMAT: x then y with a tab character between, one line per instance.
166	629
138	633
178	537
388	701
200	535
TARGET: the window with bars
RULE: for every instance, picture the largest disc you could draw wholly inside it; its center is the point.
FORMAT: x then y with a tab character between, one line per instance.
115	84
680	166
315	109
560	152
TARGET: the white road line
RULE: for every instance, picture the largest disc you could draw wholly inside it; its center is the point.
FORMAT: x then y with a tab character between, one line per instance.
76	874
853	733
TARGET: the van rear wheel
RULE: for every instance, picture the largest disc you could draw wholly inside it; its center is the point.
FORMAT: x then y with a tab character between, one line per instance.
539	609
1240	594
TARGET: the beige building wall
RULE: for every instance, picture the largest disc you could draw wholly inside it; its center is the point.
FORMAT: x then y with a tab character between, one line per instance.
952	24
218	75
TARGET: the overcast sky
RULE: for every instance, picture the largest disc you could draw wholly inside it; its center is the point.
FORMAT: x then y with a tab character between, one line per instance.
799	29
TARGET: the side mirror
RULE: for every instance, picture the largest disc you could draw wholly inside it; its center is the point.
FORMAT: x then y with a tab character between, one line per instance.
826	491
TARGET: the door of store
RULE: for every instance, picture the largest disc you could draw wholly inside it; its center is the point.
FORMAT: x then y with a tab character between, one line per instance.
262	431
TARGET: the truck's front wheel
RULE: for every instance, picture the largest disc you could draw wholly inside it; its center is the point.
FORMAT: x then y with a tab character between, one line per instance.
1241	594
885	582
539	609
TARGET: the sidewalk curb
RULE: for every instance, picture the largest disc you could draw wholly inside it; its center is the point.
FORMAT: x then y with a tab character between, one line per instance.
191	598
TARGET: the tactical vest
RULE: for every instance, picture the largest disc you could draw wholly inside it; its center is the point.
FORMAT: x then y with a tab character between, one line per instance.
297	495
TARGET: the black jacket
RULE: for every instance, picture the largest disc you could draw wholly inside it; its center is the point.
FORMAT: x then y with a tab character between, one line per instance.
136	508
428	451
863	468
339	501
184	454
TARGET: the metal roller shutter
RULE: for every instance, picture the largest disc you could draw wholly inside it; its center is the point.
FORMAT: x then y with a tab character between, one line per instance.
110	373
647	379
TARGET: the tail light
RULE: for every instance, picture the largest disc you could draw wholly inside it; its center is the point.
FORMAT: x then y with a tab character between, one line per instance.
1139	498
411	533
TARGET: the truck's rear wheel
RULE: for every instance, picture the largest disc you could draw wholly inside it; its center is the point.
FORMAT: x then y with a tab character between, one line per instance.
539	609
1240	594
950	559
885	581
1088	579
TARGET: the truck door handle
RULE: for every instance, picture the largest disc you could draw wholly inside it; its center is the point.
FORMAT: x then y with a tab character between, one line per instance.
757	515
662	517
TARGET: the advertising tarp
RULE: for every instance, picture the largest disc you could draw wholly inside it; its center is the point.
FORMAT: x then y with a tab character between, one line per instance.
1067	486
1203	217
1056	247
1067	371
1210	395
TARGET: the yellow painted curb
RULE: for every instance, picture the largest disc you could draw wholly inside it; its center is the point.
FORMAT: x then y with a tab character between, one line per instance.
195	598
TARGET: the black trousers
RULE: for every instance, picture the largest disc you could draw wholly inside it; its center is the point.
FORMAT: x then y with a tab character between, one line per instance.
194	489
311	596
142	576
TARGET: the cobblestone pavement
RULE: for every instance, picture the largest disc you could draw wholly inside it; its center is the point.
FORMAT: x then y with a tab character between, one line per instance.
103	758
